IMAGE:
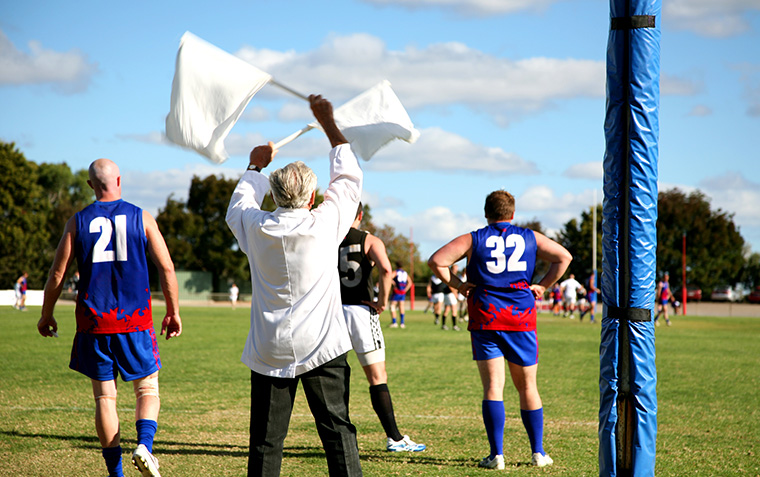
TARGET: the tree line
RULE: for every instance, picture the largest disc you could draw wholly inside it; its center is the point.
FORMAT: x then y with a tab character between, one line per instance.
36	200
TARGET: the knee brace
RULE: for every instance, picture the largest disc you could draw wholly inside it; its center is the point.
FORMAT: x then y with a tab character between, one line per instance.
147	386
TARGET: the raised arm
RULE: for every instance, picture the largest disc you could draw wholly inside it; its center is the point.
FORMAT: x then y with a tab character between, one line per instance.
447	256
323	112
64	254
159	253
375	249
558	257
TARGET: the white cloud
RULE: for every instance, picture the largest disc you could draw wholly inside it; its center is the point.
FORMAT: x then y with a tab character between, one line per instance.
750	78
470	7
255	114
587	170
343	66
430	228
700	110
674	85
710	18
733	192
68	72
443	151
150	190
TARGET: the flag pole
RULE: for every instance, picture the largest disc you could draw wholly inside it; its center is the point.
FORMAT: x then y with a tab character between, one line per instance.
289	90
290	138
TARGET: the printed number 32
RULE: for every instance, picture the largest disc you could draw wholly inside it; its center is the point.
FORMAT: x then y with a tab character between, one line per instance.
103	226
499	244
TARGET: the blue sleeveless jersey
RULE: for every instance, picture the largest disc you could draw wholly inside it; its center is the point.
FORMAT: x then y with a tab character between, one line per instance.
501	267
110	245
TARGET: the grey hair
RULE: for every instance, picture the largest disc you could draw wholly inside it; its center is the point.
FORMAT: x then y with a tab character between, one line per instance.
292	185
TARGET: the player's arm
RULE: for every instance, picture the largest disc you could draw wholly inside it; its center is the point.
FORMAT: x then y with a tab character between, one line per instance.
429	289
323	112
558	257
159	253
447	256
64	254
375	249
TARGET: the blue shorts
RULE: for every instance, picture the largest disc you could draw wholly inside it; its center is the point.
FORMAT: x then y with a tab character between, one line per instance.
398	296
518	347
103	357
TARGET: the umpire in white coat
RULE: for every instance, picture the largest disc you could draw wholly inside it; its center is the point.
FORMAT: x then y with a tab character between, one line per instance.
298	331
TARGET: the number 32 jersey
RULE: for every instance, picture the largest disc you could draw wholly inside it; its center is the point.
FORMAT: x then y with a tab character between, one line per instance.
110	245
501	267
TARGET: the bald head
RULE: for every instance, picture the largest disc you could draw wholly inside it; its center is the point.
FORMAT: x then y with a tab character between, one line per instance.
105	180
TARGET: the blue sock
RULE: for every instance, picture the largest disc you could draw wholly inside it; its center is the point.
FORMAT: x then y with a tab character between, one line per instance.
402	318
112	456
534	425
493	418
146	431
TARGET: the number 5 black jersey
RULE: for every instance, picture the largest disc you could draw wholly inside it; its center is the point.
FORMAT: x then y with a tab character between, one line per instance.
354	268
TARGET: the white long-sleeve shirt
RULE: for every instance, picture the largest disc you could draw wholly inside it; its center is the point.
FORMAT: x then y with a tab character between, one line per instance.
297	319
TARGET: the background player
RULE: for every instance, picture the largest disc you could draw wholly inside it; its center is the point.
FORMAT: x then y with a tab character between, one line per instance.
570	288
663	298
401	285
358	253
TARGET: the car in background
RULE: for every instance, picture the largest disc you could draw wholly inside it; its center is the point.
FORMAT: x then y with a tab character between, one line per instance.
692	294
724	293
754	296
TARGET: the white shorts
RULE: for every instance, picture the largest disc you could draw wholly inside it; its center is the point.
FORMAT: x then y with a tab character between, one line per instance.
569	300
449	299
364	329
436	298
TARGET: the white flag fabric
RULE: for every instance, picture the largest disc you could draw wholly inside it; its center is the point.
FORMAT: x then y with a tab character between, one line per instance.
369	121
211	88
373	119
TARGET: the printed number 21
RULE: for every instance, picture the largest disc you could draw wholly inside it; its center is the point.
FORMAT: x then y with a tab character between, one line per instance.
103	226
499	244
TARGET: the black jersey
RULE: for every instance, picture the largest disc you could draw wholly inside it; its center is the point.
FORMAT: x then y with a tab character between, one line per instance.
354	268
437	285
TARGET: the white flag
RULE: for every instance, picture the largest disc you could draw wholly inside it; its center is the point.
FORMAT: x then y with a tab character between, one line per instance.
369	121
211	88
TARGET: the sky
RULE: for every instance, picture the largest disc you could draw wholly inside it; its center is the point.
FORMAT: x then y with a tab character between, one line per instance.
507	94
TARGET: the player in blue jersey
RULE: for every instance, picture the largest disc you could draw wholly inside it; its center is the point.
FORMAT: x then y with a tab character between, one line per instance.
401	285
501	303
663	297
109	240
591	296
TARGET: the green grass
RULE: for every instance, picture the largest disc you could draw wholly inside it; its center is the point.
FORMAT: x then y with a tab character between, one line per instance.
709	375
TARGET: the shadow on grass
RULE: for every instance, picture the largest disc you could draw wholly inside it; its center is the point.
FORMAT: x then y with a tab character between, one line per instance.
92	442
224	450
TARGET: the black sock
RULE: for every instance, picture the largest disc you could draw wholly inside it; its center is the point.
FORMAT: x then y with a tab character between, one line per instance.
381	403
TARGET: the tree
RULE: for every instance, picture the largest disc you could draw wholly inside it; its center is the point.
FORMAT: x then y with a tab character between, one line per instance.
67	193
714	247
24	212
576	238
197	235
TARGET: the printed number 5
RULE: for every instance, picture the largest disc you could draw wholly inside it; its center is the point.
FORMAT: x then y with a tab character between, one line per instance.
498	244
103	226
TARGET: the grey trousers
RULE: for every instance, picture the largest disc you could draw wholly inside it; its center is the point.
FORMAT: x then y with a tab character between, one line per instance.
326	389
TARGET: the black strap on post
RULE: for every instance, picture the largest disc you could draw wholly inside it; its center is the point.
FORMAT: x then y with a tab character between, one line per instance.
633	22
629	314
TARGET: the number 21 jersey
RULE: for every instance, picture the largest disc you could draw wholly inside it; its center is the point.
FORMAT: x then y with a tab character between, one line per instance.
501	267
110	247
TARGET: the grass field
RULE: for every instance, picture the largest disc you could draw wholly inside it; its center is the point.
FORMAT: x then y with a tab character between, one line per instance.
708	368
